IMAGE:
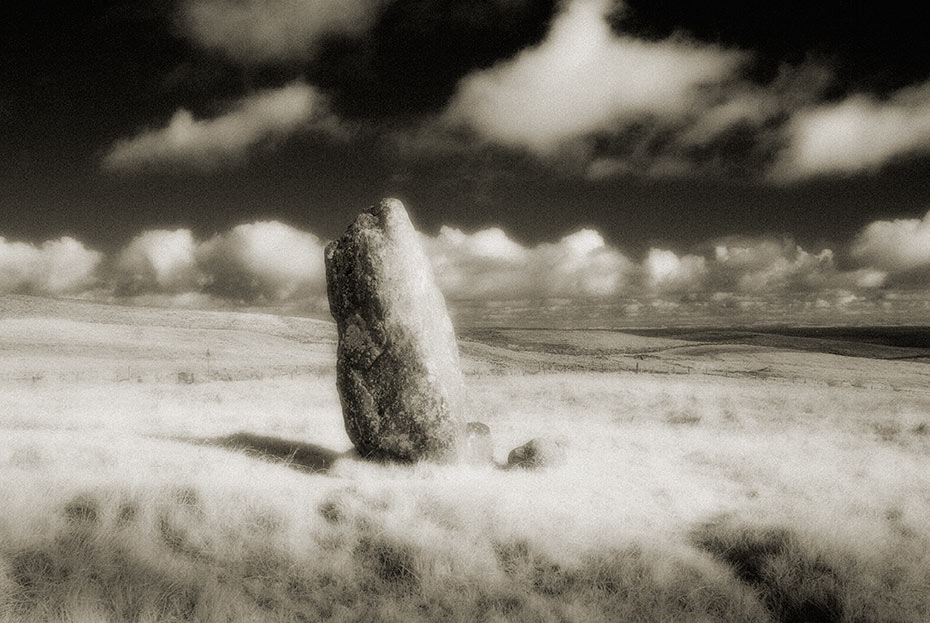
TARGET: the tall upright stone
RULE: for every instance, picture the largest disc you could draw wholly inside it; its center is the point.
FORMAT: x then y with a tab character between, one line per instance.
397	368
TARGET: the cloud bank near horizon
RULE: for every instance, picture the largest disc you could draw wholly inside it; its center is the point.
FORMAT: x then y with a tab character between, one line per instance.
56	267
268	263
261	262
900	247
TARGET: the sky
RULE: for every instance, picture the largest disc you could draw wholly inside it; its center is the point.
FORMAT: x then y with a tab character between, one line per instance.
570	163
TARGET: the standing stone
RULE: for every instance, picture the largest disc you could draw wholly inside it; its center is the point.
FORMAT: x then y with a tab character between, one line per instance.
397	368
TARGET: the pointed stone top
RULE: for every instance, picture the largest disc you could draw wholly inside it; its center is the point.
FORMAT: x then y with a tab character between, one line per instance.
389	216
388	204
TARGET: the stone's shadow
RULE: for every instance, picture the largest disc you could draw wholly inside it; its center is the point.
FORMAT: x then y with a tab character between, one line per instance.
305	457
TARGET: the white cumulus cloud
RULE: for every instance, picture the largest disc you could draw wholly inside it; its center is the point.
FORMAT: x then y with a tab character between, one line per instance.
666	271
62	266
265	260
260	262
583	79
489	265
483	265
860	133
759	265
895	245
158	261
253	31
581	264
226	139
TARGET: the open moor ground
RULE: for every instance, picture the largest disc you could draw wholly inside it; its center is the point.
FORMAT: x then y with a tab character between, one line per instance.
165	465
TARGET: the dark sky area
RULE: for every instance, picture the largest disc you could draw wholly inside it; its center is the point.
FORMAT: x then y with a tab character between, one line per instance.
655	123
78	76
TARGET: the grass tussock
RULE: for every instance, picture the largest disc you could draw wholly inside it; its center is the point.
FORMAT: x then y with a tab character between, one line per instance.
799	577
178	555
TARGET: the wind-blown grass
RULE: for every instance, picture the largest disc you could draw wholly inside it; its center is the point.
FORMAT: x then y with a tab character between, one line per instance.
90	533
683	498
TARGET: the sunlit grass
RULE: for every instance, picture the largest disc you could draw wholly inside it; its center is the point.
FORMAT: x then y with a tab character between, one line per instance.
682	498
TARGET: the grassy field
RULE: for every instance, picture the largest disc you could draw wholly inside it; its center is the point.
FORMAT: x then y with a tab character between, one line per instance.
192	466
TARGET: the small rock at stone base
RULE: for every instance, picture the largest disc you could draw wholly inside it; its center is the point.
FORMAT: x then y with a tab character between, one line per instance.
478	446
537	453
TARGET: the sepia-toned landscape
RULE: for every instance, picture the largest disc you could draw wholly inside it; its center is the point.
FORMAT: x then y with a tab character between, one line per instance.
455	311
171	465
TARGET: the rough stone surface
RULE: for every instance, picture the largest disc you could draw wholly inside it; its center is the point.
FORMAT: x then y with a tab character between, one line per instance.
537	453
397	368
477	429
